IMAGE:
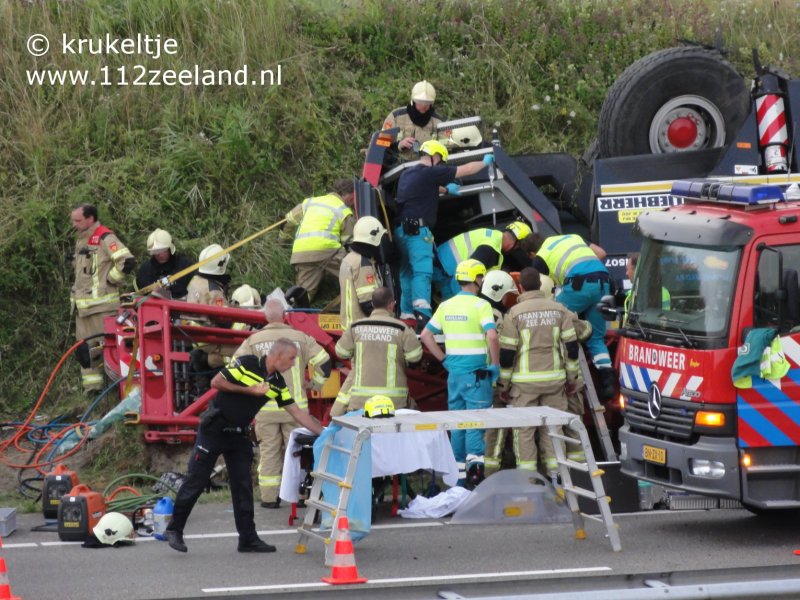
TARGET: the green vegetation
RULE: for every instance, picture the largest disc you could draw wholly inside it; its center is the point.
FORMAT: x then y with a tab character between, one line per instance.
213	164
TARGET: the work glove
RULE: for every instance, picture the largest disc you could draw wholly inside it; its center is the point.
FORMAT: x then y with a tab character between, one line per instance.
488	160
494	372
453	189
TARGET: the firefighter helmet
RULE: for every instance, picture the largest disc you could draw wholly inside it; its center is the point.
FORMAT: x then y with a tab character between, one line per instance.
423	92
216	266
368	230
466	137
246	297
497	284
160	240
379	407
547	286
519	230
432	148
113	527
469	270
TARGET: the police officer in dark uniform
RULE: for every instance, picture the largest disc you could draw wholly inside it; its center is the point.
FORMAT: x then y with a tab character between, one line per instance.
243	388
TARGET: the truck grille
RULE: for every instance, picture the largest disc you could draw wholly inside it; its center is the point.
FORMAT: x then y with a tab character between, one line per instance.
674	423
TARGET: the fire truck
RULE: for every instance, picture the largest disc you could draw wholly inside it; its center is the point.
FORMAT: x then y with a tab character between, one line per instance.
712	271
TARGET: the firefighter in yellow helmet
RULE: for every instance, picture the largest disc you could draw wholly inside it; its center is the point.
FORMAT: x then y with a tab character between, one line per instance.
359	275
380	348
101	263
539	356
472	360
322	225
273	425
163	263
417	120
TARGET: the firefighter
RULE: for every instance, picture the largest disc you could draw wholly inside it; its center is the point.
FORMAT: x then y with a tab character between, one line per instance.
242	389
380	347
324	224
539	356
577	267
417	120
358	274
273	425
486	245
101	263
497	287
163	263
245	296
472	361
417	202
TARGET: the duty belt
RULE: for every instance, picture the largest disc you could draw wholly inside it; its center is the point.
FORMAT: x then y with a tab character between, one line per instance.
416	222
233	429
590	277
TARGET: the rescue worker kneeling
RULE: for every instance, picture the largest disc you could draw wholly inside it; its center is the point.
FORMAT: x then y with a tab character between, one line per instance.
539	356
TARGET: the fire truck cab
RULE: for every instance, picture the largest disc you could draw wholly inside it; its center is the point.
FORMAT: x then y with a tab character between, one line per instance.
712	270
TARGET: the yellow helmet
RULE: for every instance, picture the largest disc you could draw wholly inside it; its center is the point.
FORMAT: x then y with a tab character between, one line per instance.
469	270
368	230
160	240
216	266
497	284
246	297
423	92
432	147
519	229
379	407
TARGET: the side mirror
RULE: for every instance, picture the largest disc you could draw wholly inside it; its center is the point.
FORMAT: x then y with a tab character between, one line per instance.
608	308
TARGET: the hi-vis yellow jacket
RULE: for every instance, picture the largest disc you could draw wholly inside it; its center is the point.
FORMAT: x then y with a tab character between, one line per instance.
323	223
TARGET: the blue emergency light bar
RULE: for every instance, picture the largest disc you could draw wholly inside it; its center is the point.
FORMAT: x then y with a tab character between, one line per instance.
728	193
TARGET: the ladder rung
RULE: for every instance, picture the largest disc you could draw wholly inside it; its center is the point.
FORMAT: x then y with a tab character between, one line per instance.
329	477
597	518
574	465
566	438
341	449
322	505
316	534
582	492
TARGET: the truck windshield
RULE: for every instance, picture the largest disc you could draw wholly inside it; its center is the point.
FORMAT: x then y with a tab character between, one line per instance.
688	289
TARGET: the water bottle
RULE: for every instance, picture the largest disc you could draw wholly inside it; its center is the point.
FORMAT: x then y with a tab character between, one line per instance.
148	520
162	513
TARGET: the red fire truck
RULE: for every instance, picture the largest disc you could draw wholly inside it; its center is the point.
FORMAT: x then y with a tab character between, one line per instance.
712	271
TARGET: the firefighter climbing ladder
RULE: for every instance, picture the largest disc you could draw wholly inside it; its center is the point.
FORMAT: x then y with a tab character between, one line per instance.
464	419
598	410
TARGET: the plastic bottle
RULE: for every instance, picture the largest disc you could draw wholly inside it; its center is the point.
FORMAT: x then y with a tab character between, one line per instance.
162	513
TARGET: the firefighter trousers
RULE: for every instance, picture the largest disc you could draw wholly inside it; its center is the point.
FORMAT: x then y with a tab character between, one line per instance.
273	428
525	449
468	392
92	378
309	274
237	450
494	441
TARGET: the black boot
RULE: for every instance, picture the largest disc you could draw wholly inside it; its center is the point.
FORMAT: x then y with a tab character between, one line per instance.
422	320
607	384
474	475
175	540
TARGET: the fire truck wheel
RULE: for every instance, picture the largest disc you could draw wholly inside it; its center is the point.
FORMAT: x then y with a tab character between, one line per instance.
673	100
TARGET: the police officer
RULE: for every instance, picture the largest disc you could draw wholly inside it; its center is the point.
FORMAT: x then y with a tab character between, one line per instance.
578	268
381	347
417	120
418	203
163	263
359	276
539	355
324	224
471	358
273	425
486	245
242	389
101	263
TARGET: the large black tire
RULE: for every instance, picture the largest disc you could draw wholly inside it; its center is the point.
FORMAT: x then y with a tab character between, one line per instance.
689	95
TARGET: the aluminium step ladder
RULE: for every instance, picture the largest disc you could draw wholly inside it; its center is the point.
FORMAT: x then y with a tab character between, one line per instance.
490	418
589	394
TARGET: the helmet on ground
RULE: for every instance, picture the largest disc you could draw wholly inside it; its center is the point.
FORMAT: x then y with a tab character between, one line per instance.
432	147
160	240
246	297
379	407
216	266
469	270
368	230
113	527
519	229
466	137
497	284
423	92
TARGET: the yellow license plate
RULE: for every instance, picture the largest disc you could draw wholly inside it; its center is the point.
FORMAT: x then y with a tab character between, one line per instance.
655	455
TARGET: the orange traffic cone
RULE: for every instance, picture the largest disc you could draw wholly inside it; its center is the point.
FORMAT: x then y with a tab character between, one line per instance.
5	587
344	561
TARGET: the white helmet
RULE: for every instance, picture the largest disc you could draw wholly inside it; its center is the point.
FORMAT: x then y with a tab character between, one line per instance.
113	527
547	286
246	297
368	230
497	284
216	266
466	137
423	92
160	240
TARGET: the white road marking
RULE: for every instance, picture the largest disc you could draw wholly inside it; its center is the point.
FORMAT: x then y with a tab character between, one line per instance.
438	578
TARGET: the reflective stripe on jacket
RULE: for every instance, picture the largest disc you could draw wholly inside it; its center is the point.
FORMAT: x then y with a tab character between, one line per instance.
562	253
321	224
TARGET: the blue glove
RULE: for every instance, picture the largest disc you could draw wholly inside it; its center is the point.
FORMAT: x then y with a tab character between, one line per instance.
488	160
494	372
453	189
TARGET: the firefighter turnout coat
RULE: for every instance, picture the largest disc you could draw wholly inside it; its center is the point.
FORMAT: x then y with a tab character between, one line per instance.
101	262
358	279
